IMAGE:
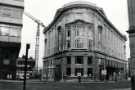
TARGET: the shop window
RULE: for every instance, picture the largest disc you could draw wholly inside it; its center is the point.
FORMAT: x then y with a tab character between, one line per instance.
68	71
90	72
68	59
78	70
79	60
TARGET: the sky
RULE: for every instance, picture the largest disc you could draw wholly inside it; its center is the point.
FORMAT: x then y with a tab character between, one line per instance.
44	10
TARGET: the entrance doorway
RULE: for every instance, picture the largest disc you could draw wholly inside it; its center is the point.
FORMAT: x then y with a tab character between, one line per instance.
58	73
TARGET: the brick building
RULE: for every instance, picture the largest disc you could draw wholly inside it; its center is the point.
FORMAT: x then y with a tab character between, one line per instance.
11	12
81	40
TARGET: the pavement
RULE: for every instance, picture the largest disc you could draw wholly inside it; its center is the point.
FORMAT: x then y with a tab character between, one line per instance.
42	85
122	89
41	81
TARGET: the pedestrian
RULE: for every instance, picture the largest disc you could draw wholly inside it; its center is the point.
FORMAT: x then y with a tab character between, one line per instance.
79	77
104	73
115	76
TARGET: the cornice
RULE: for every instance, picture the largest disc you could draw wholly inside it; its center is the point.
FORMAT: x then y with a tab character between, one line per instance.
98	10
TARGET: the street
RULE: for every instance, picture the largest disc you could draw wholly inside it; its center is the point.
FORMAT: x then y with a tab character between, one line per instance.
37	85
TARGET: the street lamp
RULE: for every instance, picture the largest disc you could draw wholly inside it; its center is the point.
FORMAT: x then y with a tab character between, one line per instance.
62	73
25	68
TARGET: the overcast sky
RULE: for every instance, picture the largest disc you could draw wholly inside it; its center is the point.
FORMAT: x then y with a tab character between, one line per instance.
44	10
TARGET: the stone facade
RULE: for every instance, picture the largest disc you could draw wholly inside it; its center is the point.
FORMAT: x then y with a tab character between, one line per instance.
11	13
81	40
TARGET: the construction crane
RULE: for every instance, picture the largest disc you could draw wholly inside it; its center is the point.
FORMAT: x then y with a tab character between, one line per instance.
39	23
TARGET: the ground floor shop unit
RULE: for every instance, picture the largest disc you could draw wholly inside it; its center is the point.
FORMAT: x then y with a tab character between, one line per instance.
88	64
8	55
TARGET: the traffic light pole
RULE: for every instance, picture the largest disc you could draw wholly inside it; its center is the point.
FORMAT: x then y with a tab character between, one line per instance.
25	68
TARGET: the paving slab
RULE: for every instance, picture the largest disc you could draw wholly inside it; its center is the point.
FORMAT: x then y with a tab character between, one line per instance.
122	89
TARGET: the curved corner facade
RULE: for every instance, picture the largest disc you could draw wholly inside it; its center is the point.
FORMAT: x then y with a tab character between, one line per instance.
81	40
11	14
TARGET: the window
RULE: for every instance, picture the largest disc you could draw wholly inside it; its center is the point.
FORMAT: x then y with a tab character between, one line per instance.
14	32
59	28
90	72
79	43
68	29
78	70
68	44
68	71
45	41
89	60
68	33
99	32
68	59
90	32
4	31
99	36
89	43
59	37
77	30
79	59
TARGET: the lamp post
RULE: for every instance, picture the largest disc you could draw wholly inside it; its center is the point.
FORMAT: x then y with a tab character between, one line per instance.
25	68
62	77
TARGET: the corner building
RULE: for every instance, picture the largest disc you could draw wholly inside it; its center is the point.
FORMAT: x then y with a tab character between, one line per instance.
11	12
82	40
